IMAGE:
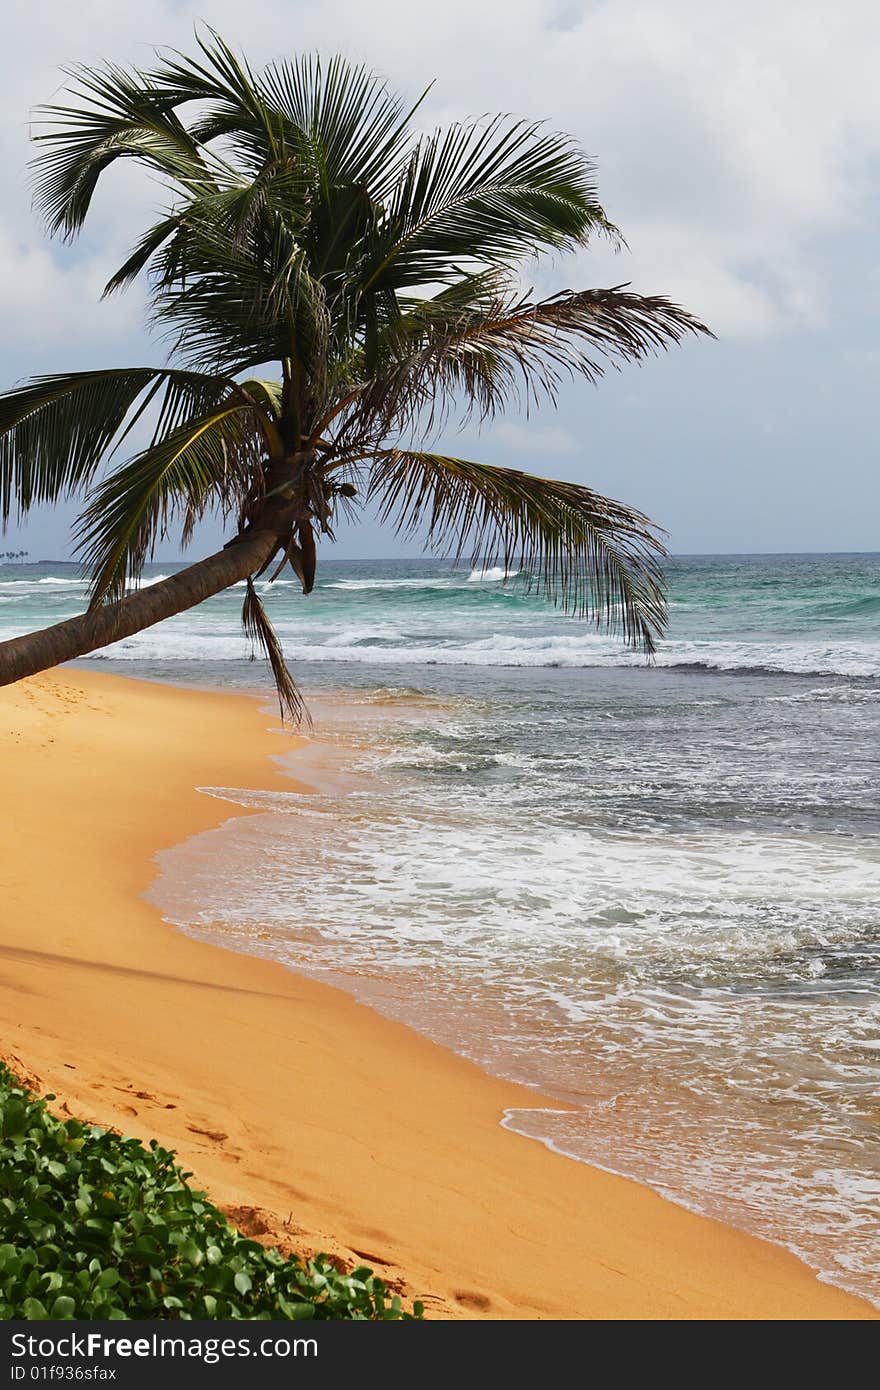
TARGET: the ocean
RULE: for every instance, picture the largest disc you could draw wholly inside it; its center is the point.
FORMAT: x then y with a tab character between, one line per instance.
652	892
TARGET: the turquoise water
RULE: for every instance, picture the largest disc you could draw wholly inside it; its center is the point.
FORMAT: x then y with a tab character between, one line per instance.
652	892
801	614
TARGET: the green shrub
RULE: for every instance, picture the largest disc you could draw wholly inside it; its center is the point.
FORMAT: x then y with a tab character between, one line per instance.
94	1225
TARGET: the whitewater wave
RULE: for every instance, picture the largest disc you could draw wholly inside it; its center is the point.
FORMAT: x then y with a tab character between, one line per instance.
393	645
840	693
494	575
48	582
56	582
145	582
355	585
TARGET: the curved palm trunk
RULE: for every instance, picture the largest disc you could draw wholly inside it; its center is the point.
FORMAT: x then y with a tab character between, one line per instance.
37	651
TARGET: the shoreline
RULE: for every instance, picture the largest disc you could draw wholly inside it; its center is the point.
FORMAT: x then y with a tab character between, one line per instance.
313	1119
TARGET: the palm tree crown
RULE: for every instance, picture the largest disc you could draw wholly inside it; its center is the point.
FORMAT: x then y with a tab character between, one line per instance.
332	285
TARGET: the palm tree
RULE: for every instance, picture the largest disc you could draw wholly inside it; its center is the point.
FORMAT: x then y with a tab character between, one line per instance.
308	227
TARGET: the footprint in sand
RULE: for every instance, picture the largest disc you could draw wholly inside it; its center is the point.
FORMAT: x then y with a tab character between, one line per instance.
477	1301
368	1255
145	1095
217	1135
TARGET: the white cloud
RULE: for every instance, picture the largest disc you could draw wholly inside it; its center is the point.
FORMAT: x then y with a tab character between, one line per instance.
55	307
733	139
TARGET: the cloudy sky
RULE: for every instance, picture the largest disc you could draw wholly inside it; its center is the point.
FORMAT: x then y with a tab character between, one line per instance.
738	148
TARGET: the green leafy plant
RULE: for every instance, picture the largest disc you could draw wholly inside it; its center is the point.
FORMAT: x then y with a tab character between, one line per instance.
95	1225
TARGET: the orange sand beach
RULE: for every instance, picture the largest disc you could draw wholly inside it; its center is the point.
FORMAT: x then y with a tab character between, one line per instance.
310	1118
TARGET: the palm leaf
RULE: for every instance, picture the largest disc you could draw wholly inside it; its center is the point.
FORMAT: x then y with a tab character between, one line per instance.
492	192
358	132
592	555
259	629
230	102
144	251
338	121
470	346
119	115
55	430
208	461
230	305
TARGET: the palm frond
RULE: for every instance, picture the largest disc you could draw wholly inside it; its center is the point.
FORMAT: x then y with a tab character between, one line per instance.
113	114
230	305
339	120
144	251
268	394
211	460
358	130
470	348
594	556
488	192
259	629
55	430
227	91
